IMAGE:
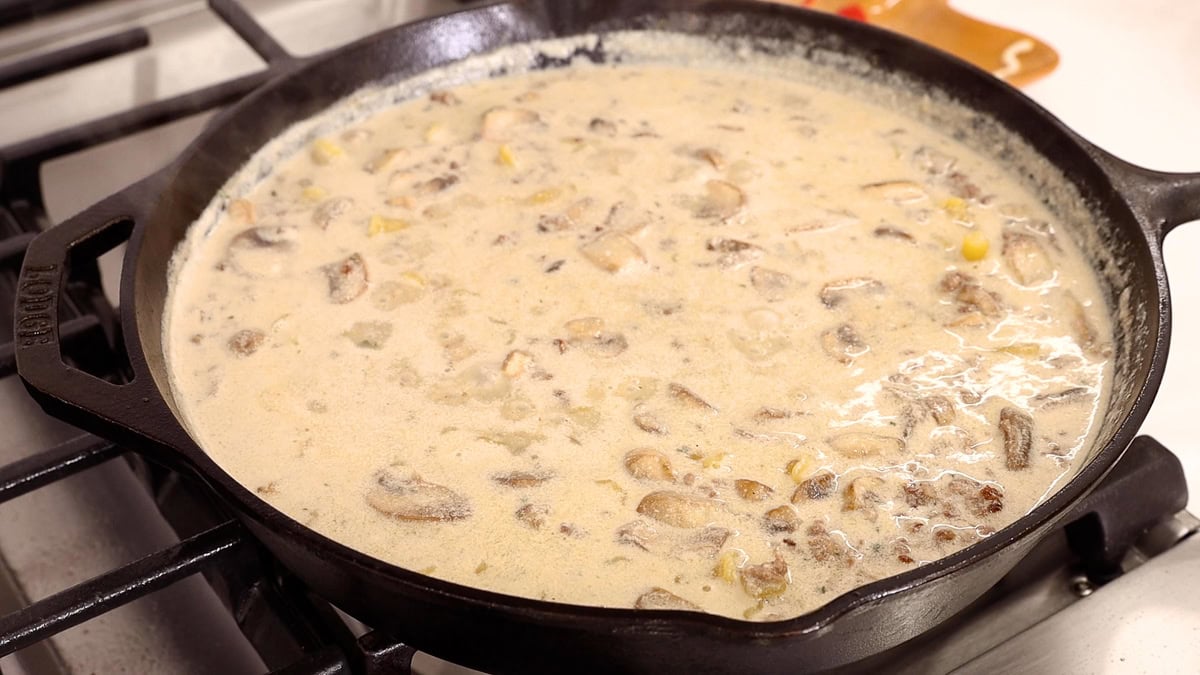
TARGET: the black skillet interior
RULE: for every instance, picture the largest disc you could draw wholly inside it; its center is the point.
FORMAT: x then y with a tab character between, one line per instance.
850	626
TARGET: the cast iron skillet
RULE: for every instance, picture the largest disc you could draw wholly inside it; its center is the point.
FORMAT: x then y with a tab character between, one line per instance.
506	634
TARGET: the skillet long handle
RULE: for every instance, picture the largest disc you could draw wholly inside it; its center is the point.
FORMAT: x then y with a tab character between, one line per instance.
88	401
1180	193
1164	200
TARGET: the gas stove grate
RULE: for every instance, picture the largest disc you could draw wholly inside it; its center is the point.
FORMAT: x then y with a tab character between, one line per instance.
90	345
273	610
292	631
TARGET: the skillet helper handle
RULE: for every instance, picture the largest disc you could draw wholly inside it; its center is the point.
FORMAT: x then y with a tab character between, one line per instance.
59	388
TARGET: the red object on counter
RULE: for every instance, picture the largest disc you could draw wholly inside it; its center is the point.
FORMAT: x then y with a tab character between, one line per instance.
855	12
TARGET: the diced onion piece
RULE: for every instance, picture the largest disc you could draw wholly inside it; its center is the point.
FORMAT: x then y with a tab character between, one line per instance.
384	225
956	208
312	193
613	252
242	211
325	151
727	565
505	156
660	598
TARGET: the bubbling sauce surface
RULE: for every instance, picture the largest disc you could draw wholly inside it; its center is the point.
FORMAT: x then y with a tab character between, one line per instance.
642	335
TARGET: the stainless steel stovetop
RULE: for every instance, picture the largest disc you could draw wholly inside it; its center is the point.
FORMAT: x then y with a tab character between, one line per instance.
1127	81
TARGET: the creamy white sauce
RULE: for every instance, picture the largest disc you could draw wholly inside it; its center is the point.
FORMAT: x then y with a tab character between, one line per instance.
735	277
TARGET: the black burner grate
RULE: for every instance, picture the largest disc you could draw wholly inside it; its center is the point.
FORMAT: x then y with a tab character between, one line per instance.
292	631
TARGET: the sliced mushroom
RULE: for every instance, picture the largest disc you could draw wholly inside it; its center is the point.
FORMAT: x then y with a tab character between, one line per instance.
759	344
601	126
771	285
825	547
613	252
389	295
955	280
517	442
705	544
987	500
241	211
640	534
444	97
662	307
944	534
933	162
408	497
517	363
533	516
913	414
733	253
607	344
1017	429
971	319
522	479
1087	335
835	293
1026	259
482	382
369	334
381	161
752	490
825	220
259	251
818	486
801	467
962	186
863	444
572	530
435	185
721	200
246	342
862	494
712	156
683	544
678	509
585	327
766	581
649	464
357	136
499	124
919	493
347	278
892	232
843	344
660	598
940	408
974	298
277	236
330	210
688	398
782	519
650	424
896	191
1057	398
767	413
